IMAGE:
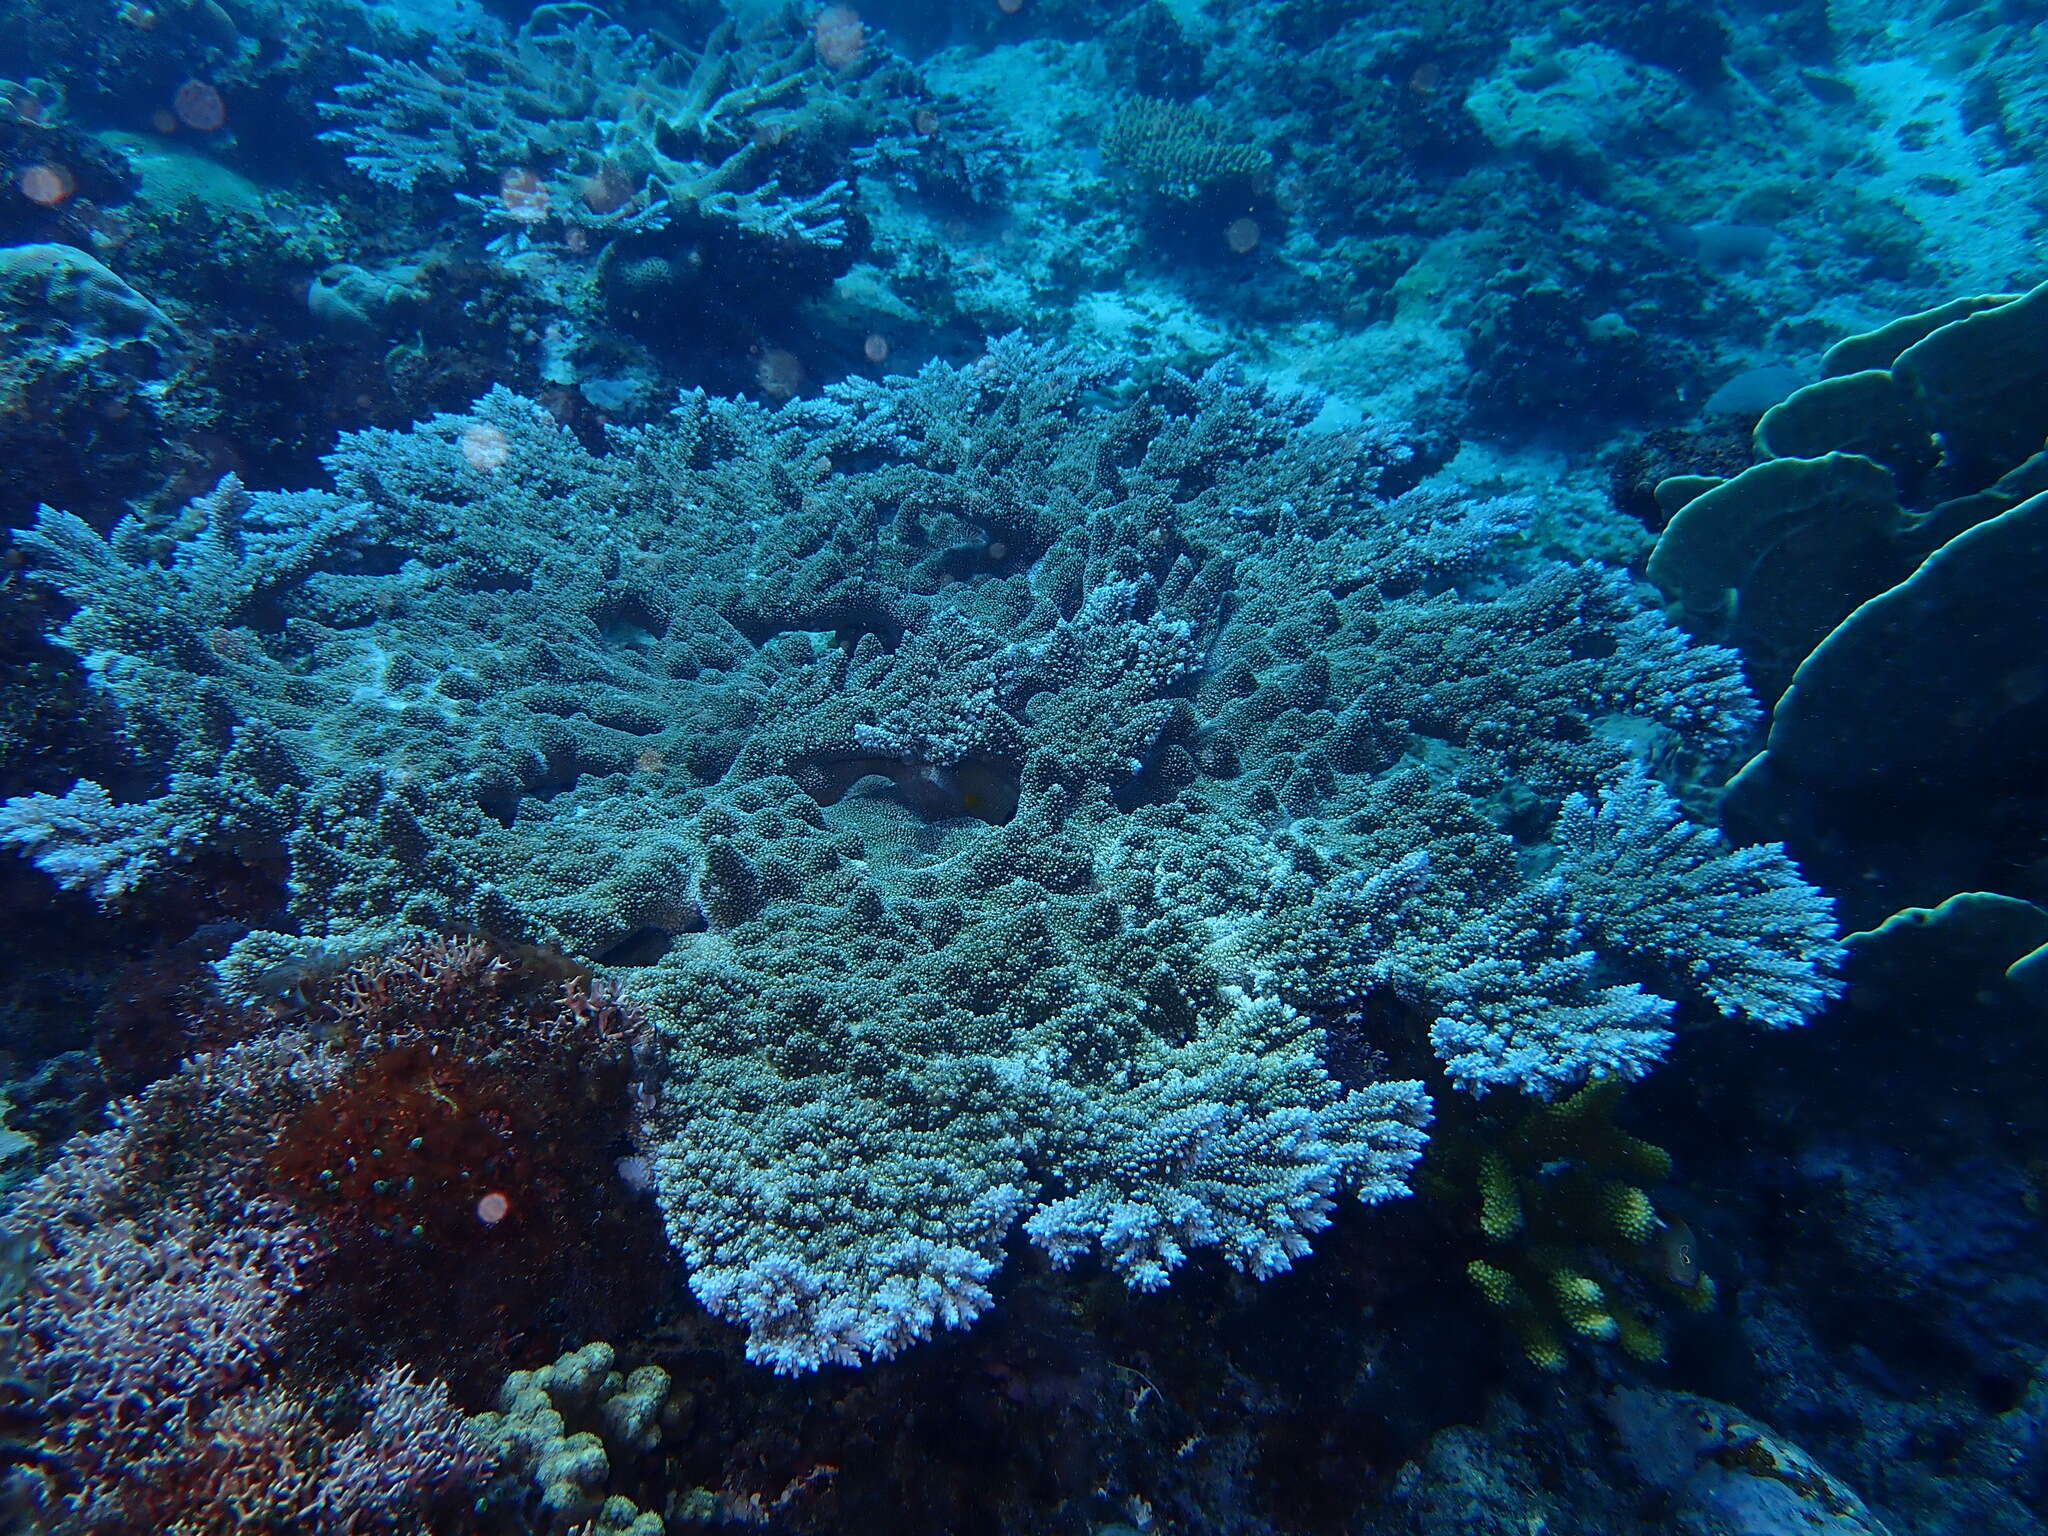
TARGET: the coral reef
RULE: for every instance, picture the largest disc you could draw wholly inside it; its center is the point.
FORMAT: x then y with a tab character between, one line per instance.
1875	567
570	1470
162	1273
1847	495
1718	1468
88	361
1027	849
588	132
216	1283
968	889
1183	154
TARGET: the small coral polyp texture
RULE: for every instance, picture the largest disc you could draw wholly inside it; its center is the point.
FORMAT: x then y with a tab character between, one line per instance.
1020	801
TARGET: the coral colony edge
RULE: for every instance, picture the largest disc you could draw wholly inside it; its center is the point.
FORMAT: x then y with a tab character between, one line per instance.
1023	767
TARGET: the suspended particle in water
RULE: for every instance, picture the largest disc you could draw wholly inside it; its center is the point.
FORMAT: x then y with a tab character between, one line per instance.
25	104
485	447
925	120
1242	236
839	36
523	195
199	107
606	192
45	185
1009	7
779	373
876	347
493	1208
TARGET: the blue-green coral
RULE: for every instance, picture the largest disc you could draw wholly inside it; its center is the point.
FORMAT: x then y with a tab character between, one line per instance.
1015	800
575	123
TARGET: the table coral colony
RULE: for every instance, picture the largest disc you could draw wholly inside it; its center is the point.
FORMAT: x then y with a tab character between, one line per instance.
1016	804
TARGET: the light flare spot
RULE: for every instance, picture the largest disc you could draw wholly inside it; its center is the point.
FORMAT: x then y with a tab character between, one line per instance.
45	185
199	107
779	373
839	36
523	195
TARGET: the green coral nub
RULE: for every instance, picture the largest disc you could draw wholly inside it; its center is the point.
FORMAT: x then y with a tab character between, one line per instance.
1577	1247
1500	1203
571	1469
1627	1212
1583	1304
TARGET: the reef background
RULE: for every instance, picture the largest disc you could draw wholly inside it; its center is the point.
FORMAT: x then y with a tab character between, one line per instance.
1210	577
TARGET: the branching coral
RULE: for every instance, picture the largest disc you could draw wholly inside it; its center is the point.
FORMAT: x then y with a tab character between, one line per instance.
1013	802
152	1323
1574	1245
579	124
430	1144
1183	154
463	1084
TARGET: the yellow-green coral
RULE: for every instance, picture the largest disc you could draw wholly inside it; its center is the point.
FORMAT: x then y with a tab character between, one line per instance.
571	1469
1582	1304
1500	1202
1575	1243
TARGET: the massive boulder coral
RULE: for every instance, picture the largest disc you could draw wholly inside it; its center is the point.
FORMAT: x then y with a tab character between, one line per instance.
86	362
1015	801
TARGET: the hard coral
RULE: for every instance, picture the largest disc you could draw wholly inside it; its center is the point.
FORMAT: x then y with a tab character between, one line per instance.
217	1286
590	128
1183	154
266	1460
967	889
1575	1245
